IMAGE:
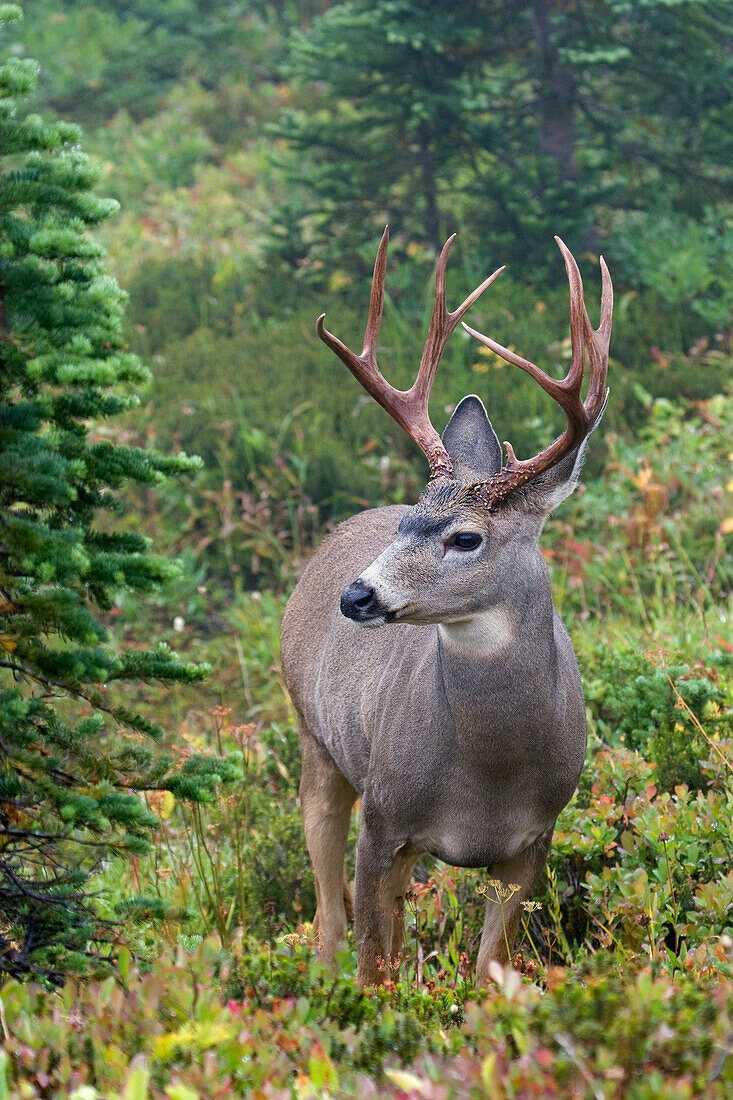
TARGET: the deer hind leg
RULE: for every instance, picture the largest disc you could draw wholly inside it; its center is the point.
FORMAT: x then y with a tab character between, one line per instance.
326	800
523	871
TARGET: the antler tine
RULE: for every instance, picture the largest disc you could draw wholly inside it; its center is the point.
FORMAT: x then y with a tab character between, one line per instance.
580	329
598	349
582	415
408	407
364	366
376	298
443	322
583	336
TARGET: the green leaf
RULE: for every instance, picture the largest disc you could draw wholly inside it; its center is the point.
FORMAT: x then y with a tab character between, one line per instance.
137	1084
181	1092
124	958
321	1069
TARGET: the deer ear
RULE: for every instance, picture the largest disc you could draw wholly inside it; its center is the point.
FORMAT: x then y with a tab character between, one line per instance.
551	487
471	442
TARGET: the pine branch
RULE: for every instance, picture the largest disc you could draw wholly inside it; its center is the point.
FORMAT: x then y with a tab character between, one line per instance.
56	837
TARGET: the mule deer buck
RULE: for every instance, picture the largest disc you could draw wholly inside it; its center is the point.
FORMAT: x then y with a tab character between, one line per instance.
460	722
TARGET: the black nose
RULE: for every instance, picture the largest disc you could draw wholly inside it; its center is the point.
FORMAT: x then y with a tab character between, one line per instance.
359	601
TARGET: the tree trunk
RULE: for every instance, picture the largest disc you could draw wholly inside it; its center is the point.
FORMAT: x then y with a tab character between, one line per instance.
432	214
556	95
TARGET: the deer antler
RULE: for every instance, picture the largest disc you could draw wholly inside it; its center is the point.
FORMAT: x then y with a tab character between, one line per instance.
582	415
408	407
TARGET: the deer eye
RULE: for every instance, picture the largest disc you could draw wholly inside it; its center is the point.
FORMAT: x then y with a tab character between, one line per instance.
466	540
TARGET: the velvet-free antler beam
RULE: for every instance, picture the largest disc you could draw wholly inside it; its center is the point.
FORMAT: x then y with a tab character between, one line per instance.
408	407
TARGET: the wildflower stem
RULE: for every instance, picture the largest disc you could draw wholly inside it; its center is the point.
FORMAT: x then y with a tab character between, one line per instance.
671	890
503	925
529	907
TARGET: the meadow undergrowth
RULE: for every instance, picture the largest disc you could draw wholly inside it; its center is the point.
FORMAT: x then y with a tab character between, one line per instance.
621	981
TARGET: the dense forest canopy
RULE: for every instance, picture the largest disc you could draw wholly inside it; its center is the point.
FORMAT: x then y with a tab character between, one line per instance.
595	120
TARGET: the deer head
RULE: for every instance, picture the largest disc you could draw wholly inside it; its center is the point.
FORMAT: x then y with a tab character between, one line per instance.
477	523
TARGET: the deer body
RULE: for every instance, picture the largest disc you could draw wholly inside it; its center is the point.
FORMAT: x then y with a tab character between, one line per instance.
459	717
469	751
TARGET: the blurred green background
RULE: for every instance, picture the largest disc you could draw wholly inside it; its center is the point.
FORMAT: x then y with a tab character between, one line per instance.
258	149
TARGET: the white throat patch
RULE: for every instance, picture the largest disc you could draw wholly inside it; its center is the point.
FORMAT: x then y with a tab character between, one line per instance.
487	632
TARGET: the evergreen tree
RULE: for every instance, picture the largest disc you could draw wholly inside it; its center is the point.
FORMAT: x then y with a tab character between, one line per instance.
69	773
516	121
604	113
390	92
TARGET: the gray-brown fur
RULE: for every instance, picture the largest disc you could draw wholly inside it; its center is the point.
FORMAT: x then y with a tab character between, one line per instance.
461	724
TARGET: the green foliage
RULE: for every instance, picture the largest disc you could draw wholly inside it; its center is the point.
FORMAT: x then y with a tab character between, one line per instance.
520	122
393	91
171	1033
642	870
67	782
696	275
237	853
185	1033
637	704
665	517
128	60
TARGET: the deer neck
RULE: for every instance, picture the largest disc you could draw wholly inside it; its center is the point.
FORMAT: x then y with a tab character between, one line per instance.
487	634
507	650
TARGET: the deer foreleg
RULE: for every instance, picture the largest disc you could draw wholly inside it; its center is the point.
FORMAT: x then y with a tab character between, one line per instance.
383	869
403	878
503	913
